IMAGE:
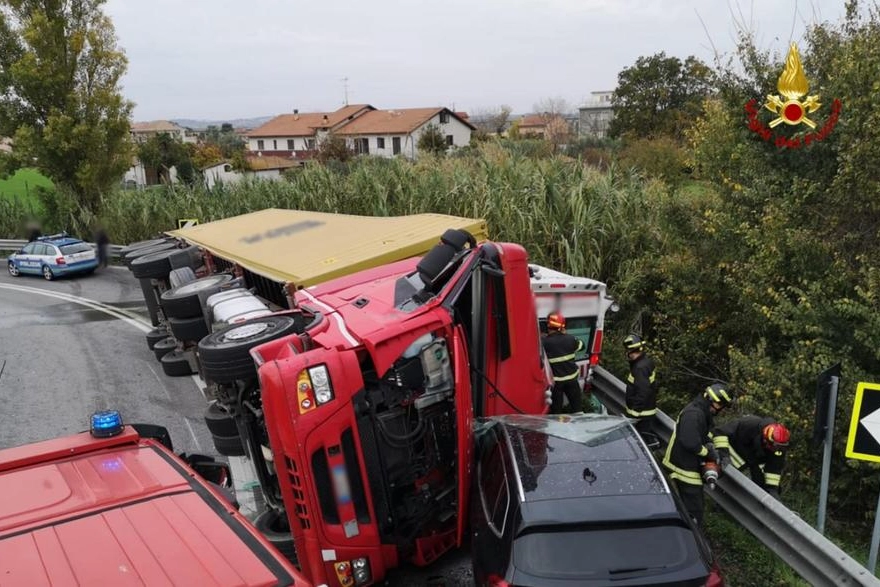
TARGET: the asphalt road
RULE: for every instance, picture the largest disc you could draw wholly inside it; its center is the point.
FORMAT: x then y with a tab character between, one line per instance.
75	345
63	356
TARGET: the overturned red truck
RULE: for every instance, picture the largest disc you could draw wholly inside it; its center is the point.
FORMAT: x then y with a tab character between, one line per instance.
359	418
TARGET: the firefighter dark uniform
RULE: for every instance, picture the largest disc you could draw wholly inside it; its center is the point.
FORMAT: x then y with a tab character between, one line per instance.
691	445
641	388
755	443
561	349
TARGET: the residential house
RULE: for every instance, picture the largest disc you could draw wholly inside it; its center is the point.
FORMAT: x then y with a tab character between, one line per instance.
269	167
5	145
143	131
295	135
543	126
596	115
388	133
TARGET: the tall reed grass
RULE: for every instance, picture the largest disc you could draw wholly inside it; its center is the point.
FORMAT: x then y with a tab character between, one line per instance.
568	215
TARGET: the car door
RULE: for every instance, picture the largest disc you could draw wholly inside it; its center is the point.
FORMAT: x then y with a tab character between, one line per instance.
491	505
43	256
27	258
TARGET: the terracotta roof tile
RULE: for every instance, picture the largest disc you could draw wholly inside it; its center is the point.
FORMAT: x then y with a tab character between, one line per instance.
401	121
305	124
271	162
156	126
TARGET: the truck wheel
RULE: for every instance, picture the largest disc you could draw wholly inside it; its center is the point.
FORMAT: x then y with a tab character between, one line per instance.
164	346
275	528
154	265
219	422
194	329
141	245
181	276
175	364
229	446
130	257
184	302
225	354
155	335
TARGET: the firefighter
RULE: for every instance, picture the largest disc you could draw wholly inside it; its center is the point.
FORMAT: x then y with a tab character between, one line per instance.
561	349
641	389
691	446
757	443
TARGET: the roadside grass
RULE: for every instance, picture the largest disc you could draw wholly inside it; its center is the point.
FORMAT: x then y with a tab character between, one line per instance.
22	186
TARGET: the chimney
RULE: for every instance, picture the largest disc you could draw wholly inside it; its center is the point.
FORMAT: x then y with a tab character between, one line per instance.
326	120
295	111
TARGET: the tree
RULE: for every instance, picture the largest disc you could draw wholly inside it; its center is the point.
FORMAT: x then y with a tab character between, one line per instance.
492	120
660	96
432	140
162	152
60	98
333	148
555	106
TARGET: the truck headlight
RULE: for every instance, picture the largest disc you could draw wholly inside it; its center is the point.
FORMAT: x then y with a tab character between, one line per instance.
321	384
361	568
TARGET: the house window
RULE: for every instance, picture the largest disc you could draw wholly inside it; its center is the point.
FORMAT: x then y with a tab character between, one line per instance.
362	146
260	145
274	144
449	141
444	117
290	144
380	143
310	144
395	145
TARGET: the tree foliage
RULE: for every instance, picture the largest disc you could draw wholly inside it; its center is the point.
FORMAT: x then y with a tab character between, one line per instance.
162	152
432	140
659	96
60	99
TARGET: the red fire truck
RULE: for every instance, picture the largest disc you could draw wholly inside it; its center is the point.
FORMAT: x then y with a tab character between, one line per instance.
360	420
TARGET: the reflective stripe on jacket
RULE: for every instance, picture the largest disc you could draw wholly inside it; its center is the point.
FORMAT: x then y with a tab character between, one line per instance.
687	446
742	439
561	349
641	388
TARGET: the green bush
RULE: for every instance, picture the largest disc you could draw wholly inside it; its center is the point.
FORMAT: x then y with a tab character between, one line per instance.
661	158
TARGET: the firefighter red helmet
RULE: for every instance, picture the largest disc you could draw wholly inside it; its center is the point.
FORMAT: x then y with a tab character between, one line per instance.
776	435
555	321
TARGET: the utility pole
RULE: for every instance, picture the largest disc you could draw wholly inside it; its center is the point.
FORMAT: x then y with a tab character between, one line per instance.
345	90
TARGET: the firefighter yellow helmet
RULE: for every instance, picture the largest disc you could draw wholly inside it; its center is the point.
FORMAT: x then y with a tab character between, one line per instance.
719	393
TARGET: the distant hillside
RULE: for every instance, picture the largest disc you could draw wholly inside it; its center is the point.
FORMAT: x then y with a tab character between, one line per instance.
236	122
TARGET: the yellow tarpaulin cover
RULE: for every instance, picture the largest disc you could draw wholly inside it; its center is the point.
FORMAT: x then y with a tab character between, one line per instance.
311	247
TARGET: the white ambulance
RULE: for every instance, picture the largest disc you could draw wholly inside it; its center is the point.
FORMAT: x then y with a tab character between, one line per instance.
583	302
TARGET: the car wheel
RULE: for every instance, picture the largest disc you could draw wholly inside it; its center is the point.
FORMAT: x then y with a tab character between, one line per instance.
175	364
13	270
225	354
229	446
184	301
164	346
155	335
189	329
155	265
275	528
219	422
47	273
181	276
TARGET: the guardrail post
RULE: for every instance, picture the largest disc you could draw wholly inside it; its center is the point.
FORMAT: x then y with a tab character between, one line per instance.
875	540
826	456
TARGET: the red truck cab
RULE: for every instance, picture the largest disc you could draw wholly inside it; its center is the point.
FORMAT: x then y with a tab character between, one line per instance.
369	410
123	510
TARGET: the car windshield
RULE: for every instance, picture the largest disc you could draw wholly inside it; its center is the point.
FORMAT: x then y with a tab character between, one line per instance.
610	553
75	248
588	429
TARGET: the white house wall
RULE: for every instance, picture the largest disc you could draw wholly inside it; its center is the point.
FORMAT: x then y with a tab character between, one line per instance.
461	137
279	144
219	174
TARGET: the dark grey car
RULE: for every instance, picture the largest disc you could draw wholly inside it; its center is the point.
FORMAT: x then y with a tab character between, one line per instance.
578	500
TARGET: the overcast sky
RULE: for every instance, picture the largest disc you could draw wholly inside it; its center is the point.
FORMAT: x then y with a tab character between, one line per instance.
224	59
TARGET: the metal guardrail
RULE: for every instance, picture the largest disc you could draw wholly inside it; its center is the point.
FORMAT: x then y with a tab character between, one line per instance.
14	245
806	551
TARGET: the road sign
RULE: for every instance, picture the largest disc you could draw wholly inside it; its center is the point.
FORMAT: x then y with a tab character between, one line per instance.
186	222
864	428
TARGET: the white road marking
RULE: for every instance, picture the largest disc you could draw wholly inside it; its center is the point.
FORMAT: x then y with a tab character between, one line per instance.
127	317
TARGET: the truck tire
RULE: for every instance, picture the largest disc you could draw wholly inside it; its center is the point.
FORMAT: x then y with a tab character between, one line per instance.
188	329
175	364
155	335
181	276
276	529
219	422
225	354
154	265
229	446
129	258
164	346
141	245
184	301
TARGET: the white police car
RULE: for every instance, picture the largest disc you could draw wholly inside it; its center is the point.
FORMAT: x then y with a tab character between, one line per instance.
53	256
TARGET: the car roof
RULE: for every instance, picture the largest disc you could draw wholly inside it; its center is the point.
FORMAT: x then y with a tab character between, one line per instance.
58	240
122	510
598	463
